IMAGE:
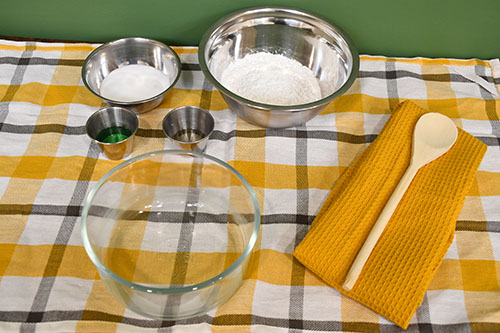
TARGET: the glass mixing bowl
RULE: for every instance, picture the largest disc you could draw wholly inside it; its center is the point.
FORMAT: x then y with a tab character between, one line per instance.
171	232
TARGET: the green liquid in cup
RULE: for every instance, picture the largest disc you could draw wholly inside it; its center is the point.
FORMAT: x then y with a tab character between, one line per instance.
113	134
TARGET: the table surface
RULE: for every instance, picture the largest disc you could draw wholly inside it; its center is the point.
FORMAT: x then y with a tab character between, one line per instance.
48	165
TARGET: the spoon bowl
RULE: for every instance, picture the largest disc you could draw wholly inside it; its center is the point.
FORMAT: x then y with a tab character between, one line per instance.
434	135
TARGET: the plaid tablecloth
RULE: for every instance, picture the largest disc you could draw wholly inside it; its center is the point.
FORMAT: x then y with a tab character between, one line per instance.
48	165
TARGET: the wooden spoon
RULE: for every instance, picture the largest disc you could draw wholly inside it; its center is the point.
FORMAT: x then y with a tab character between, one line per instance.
433	136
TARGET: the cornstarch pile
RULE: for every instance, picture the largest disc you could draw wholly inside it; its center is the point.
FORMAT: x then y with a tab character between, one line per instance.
271	79
134	83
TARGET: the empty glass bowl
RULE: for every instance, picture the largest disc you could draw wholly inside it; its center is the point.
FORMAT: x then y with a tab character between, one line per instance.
171	232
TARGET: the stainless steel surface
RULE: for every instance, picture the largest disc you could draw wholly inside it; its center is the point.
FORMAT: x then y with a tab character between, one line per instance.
188	127
128	51
315	43
108	117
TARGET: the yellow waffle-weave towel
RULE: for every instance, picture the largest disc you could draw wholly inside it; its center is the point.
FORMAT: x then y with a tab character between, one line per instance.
398	272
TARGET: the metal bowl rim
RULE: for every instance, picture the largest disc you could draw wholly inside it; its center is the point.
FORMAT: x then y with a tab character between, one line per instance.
285	108
121	40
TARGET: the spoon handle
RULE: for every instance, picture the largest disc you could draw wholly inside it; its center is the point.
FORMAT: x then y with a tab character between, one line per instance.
378	227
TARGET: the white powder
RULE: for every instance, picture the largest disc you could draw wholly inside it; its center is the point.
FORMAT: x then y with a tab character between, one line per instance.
271	79
134	83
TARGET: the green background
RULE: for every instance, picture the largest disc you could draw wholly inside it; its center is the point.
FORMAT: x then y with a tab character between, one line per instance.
429	28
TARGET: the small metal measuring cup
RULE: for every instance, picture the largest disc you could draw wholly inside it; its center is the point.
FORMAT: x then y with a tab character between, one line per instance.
113	128
188	127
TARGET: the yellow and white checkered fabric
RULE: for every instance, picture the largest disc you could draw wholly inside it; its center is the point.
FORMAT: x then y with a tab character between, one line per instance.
48	165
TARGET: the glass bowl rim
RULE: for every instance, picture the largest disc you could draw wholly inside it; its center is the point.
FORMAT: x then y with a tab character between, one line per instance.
189	288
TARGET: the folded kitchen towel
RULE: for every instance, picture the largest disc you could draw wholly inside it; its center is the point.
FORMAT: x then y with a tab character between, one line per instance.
398	272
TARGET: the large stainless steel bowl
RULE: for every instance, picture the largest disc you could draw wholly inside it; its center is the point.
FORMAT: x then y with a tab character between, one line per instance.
128	51
315	43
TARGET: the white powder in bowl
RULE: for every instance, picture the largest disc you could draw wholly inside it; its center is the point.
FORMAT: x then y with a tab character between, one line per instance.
271	79
133	83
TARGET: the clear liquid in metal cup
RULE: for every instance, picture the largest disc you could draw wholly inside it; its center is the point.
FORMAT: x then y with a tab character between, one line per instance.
189	127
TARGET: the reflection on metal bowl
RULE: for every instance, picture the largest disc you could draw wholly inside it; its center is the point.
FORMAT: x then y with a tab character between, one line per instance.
315	43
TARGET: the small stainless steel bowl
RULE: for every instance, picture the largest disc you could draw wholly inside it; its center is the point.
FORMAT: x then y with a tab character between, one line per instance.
107	118
188	127
315	43
129	51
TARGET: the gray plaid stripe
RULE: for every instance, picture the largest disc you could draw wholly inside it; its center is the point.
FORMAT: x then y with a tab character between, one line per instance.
309	325
296	307
490	105
206	95
222	136
17	79
392	84
194	67
65	231
25	59
399	74
186	234
423	316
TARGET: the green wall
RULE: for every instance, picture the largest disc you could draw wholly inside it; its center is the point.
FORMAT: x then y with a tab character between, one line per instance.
431	28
